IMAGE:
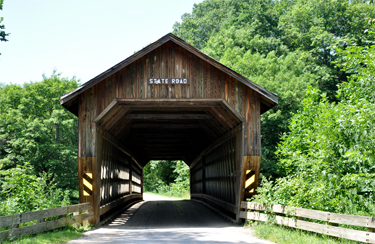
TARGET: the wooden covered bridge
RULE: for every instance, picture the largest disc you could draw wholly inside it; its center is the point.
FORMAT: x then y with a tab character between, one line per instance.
168	101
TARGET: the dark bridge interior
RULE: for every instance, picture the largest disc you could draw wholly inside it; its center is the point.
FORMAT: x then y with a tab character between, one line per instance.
174	130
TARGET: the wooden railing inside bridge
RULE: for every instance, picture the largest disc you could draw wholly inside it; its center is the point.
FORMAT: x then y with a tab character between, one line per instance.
312	220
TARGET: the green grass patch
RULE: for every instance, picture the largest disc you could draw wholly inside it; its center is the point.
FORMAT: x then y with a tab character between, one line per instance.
56	236
286	235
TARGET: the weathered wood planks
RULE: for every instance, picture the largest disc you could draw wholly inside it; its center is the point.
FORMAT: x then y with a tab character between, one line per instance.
329	218
13	221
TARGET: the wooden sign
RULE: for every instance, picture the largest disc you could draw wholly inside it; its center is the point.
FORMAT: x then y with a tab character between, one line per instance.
168	81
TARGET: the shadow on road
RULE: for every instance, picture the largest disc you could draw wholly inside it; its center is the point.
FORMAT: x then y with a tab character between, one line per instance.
169	222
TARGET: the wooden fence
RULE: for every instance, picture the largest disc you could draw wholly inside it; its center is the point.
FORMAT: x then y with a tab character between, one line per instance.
298	218
79	211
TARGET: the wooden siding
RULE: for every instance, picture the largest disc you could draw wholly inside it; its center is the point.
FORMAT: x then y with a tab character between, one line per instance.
169	60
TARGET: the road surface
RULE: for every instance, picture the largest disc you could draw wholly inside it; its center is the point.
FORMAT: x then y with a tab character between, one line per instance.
164	220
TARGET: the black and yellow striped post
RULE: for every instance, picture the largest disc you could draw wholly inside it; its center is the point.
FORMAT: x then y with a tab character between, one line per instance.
87	184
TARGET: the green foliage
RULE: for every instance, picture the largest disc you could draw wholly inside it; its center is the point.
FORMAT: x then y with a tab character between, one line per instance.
2	33
35	128
166	177
23	191
328	159
283	45
285	235
53	237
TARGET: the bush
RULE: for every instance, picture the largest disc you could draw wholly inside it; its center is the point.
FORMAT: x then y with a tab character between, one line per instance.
23	191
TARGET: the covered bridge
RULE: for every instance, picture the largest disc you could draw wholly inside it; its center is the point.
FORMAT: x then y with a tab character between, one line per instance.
168	101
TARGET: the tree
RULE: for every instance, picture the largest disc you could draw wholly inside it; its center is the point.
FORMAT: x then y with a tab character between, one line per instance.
2	33
327	159
164	176
23	191
282	45
35	128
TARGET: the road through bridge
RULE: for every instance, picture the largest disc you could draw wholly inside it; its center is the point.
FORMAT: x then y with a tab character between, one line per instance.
169	101
163	220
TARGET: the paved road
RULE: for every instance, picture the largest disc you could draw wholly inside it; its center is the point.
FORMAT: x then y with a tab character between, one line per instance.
168	221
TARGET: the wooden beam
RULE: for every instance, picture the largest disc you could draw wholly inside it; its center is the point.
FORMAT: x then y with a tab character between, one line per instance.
168	116
113	104
198	102
168	126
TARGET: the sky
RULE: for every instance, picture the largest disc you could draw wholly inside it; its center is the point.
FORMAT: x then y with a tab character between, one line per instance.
80	38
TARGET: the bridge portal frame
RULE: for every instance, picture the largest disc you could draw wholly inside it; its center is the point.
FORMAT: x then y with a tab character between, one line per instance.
212	122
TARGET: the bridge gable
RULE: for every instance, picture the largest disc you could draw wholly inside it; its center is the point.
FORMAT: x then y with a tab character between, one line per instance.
171	57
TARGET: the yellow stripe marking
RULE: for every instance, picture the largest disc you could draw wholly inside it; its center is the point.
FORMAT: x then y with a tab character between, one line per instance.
87	184
250	181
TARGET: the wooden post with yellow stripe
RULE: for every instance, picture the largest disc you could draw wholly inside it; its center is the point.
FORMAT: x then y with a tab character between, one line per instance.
87	184
251	166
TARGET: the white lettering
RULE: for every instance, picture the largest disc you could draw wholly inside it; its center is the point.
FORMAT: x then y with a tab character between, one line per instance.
168	81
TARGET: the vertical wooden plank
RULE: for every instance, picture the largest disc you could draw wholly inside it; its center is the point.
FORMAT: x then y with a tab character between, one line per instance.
163	67
152	72
209	81
177	71
183	73
81	163
124	82
145	74
130	175
173	69
138	79
128	84
239	152
157	71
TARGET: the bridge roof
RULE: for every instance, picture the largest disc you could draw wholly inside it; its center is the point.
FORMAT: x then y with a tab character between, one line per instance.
70	100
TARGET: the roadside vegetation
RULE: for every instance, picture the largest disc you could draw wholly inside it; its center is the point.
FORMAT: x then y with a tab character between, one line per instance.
38	146
167	178
52	237
285	235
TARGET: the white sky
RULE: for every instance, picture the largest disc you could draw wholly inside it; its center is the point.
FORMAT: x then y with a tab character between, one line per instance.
80	38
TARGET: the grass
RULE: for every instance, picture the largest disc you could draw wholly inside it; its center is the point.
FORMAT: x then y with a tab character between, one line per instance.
56	236
285	235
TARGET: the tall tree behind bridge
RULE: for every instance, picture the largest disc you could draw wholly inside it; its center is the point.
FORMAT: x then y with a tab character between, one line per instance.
284	46
327	160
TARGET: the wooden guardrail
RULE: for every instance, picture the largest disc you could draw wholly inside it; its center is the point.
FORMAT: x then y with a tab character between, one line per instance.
299	219
79	211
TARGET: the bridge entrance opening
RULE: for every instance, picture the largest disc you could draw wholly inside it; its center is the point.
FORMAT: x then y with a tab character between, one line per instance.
201	132
168	101
170	178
